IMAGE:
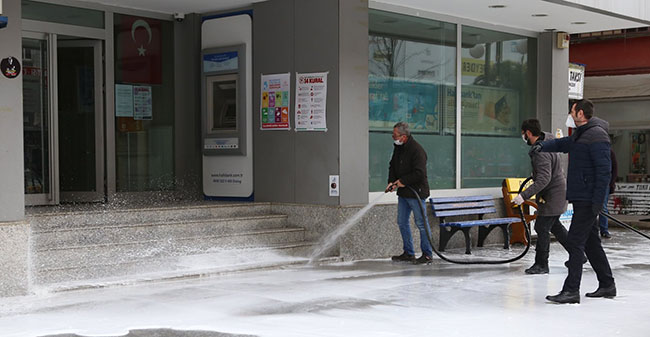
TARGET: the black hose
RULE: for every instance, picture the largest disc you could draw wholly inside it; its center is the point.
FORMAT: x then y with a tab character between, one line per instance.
624	225
433	247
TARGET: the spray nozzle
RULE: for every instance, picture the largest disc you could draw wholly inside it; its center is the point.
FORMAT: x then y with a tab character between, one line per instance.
390	187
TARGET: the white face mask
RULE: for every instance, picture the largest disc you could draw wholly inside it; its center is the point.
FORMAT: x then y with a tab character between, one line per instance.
397	142
570	122
523	137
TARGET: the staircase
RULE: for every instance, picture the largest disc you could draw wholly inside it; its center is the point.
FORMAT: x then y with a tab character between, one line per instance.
81	248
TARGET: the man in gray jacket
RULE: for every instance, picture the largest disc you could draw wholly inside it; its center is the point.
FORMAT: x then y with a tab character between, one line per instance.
549	186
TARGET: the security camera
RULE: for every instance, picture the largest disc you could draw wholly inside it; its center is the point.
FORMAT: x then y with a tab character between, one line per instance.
179	17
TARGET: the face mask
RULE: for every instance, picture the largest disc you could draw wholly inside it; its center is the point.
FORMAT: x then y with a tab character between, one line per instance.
397	142
523	137
570	122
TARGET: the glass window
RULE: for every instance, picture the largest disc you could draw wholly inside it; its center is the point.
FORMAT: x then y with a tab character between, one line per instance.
144	133
412	70
498	92
40	11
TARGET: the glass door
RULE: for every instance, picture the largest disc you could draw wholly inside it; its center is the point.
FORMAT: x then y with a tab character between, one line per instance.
80	116
38	123
63	119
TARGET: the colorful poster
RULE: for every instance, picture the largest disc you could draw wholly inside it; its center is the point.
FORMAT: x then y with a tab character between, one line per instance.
274	107
311	99
142	102
123	100
393	100
485	111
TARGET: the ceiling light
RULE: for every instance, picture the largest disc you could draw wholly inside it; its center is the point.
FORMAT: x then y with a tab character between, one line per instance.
497	6
579	23
540	15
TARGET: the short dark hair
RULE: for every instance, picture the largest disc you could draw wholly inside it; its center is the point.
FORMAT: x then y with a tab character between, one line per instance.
533	126
585	105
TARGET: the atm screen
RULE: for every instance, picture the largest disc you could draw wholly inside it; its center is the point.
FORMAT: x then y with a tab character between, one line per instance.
224	105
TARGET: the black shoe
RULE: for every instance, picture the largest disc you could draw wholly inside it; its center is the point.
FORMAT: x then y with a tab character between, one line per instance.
607	292
584	260
565	297
403	258
605	235
423	259
537	269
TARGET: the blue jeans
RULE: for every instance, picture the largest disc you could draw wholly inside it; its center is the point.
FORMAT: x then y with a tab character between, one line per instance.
602	220
404	208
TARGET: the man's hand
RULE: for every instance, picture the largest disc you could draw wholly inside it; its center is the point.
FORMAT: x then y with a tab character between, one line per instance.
390	188
399	183
518	200
536	148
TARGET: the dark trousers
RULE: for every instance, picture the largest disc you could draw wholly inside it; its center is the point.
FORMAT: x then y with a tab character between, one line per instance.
544	226
583	238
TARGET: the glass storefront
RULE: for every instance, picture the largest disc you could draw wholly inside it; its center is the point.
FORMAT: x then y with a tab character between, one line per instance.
144	109
413	78
498	89
412	70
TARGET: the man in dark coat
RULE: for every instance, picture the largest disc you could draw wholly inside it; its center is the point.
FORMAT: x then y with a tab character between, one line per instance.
588	179
549	187
408	167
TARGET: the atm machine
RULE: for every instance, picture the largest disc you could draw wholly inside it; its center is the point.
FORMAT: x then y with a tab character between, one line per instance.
226	92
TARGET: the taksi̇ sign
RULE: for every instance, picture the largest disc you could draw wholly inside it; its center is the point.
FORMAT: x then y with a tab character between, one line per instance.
576	80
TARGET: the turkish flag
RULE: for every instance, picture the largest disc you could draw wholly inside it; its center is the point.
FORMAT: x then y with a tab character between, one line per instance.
138	50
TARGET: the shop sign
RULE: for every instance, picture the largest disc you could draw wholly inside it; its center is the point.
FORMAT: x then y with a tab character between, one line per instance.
576	80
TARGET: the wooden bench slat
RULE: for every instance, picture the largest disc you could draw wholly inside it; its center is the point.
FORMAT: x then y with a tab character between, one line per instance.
438	207
461	199
484	222
470	211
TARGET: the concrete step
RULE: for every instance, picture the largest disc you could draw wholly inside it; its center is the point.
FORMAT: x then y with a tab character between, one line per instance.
43	221
104	254
92	235
174	267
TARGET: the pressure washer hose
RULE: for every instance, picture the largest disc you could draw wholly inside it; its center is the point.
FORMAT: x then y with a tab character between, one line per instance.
523	221
624	225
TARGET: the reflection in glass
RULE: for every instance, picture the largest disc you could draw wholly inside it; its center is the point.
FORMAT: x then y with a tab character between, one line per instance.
412	73
35	116
498	92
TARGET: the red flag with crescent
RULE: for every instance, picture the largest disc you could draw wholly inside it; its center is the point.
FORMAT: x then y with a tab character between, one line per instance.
138	50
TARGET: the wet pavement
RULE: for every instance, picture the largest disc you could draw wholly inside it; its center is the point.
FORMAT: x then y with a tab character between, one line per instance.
363	298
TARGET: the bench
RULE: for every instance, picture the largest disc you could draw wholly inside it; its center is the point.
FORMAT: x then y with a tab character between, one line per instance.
480	205
510	189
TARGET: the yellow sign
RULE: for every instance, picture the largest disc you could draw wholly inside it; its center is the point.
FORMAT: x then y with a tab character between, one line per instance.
473	67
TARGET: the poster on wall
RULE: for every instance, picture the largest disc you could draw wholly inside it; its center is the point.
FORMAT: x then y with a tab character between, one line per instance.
311	99
123	100
393	100
142	102
485	111
274	107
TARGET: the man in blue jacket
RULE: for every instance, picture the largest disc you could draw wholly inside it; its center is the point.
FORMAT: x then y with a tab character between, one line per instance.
587	182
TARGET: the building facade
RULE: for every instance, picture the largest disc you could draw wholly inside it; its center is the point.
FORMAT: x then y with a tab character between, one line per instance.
113	104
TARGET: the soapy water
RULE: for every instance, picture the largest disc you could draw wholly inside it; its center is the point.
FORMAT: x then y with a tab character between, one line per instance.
328	241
